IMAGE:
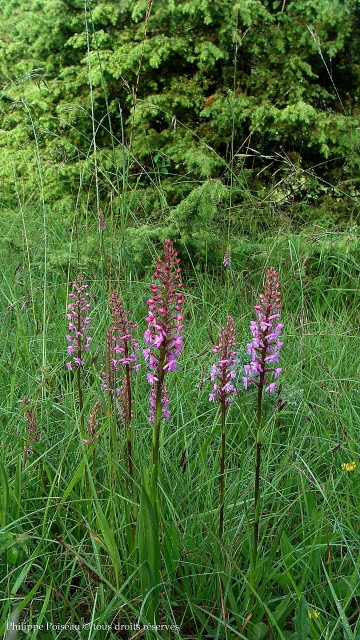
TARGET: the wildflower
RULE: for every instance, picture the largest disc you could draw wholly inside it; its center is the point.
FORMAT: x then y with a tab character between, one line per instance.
121	352
120	361
227	258
348	466
101	220
93	424
108	372
31	428
224	372
313	613
31	422
265	346
78	323
164	326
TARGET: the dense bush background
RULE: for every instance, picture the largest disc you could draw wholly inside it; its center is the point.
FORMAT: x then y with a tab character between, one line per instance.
210	110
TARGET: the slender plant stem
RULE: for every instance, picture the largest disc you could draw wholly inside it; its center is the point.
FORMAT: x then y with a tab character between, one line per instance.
257	468
128	437
155	454
222	468
81	401
128	417
258	446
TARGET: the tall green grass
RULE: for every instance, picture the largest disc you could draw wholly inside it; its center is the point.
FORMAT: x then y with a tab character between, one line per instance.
64	547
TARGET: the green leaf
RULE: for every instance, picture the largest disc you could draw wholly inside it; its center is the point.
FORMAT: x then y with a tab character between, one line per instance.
16	493
7	539
269	567
345	623
149	553
4	501
302	626
12	555
171	547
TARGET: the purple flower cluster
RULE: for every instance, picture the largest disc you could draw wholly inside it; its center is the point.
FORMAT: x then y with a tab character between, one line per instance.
227	258
121	347
102	221
265	346
78	323
224	372
164	327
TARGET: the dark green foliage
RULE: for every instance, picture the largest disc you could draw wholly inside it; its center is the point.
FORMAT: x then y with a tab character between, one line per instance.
260	96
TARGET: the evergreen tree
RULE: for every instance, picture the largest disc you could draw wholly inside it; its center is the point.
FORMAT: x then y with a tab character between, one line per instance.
257	95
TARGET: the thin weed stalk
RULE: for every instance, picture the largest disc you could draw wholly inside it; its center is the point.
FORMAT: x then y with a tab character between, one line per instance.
222	470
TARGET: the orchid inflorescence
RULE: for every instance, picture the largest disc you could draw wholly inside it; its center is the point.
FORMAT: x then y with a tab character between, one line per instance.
31	428
78	323
31	422
224	371
121	347
93	425
164	344
164	326
265	346
227	258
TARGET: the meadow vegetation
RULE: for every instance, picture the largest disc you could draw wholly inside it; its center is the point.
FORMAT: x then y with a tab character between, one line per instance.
226	132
